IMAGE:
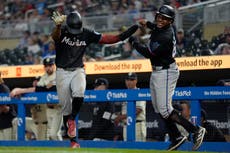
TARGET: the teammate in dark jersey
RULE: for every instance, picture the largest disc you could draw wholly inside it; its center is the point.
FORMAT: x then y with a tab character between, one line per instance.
102	126
7	115
161	51
71	41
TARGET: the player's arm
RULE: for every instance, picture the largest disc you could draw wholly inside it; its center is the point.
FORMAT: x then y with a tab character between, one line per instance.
110	39
141	48
56	33
18	91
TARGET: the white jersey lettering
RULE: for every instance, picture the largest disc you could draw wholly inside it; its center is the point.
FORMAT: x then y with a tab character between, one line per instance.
73	43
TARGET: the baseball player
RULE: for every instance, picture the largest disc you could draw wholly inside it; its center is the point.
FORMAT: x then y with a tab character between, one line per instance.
71	41
45	118
102	126
131	83
161	50
7	115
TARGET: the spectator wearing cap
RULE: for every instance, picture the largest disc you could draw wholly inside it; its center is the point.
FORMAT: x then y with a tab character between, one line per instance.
102	126
213	134
46	117
181	40
131	83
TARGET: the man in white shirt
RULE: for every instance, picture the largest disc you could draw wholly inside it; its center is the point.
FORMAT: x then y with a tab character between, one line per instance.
131	83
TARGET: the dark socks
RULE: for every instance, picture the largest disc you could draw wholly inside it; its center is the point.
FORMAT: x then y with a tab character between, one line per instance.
172	130
76	105
176	117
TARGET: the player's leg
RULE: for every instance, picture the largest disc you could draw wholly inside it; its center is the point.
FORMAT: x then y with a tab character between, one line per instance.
163	86
141	131
63	79
55	123
8	133
15	127
175	117
78	85
39	115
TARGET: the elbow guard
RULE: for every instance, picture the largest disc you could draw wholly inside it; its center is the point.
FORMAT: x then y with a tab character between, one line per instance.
124	35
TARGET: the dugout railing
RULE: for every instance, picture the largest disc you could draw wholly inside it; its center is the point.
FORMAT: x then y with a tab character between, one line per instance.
193	94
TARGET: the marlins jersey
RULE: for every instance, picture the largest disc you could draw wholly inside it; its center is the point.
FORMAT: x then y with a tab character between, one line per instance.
71	48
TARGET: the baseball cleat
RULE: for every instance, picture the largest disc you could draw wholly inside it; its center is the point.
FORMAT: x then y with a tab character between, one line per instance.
71	124
198	137
74	145
177	143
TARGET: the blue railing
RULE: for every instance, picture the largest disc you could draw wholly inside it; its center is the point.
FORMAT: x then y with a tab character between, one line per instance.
193	94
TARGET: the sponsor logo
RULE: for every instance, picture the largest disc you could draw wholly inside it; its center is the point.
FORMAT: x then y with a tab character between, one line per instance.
129	120
29	98
5	98
111	95
154	124
84	124
36	70
220	125
18	71
20	121
183	93
4	73
51	97
143	95
90	96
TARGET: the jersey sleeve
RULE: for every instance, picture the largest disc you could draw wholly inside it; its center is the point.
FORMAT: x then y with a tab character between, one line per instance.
92	36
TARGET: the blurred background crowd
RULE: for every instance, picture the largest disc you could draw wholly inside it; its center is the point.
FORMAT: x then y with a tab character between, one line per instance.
31	22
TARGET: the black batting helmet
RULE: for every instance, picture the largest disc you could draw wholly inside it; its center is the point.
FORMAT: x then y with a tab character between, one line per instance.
74	22
166	11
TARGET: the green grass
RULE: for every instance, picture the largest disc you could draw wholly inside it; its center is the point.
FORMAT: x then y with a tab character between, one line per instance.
81	150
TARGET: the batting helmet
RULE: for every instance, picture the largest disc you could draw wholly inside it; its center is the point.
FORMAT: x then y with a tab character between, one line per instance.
166	11
74	22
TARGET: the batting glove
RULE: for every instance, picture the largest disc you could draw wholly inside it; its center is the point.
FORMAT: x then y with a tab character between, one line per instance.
58	18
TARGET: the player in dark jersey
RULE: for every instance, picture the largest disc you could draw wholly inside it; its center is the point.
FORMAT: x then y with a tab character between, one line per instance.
161	51
71	42
7	115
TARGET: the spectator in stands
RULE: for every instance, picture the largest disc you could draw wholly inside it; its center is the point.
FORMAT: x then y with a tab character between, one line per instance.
33	46
131	83
213	134
102	126
224	42
51	52
181	41
23	42
7	115
225	49
44	43
99	56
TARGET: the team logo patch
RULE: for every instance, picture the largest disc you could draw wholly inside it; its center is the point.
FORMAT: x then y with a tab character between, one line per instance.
154	46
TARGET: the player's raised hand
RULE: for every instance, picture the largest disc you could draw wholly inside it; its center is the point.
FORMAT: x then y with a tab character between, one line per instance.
58	18
142	22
